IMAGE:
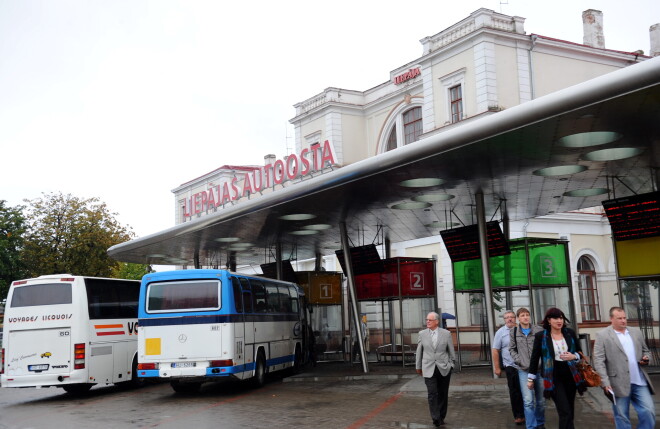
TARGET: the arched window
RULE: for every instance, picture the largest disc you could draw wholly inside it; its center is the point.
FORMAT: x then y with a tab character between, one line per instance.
407	129
412	125
588	290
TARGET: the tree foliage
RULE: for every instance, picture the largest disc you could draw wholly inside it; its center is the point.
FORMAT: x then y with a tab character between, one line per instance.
12	228
131	271
71	235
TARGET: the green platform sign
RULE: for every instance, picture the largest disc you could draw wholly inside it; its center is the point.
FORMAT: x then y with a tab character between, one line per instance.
547	264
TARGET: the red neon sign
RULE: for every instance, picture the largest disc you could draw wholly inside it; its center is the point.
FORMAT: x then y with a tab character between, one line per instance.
308	161
410	74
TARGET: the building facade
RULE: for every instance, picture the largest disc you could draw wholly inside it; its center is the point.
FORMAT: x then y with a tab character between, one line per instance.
479	66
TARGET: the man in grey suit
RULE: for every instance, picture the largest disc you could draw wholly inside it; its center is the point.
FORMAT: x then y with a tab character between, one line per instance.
434	361
619	354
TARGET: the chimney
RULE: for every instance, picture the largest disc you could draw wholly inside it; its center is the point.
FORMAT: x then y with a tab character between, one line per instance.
269	159
654	34
592	24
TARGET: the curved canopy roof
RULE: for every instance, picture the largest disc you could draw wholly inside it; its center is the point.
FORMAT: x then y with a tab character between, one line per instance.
568	150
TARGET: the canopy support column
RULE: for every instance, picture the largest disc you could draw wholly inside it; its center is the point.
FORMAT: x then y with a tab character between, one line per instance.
352	293
232	261
278	260
485	268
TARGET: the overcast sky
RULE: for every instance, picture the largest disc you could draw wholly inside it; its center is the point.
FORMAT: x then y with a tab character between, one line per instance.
126	100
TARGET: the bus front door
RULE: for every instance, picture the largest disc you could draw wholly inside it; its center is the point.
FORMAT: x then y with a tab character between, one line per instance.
248	326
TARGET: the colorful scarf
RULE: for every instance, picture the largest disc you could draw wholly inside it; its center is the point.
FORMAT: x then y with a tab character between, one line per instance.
548	360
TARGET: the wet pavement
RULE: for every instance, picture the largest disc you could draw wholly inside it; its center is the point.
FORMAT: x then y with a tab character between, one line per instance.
476	400
331	395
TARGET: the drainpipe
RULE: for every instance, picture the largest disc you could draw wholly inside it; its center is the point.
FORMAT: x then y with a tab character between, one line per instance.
531	65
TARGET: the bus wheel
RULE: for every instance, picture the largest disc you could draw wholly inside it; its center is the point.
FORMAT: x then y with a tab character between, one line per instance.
259	378
77	389
185	387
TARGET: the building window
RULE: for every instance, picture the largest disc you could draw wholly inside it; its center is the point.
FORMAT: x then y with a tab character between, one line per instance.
412	125
477	309
456	103
391	140
588	290
407	128
454	88
637	301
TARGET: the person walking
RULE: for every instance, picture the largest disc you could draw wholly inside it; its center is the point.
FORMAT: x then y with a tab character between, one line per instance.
502	357
557	347
434	361
619	356
521	345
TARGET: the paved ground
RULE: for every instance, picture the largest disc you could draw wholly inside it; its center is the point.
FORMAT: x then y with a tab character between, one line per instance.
332	395
476	399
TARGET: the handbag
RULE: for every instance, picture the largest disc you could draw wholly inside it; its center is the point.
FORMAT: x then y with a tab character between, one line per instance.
590	376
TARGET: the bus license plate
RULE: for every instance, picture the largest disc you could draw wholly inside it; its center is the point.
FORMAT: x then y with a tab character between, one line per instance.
42	367
184	364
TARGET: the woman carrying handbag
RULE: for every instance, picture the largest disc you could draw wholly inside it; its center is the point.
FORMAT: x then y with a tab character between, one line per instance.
557	348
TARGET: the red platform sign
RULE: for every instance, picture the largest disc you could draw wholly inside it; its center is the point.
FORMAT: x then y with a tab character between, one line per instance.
415	277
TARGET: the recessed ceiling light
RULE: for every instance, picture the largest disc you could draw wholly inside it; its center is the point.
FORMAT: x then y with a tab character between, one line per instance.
422	182
156	255
438	224
240	246
586	192
431	198
304	232
318	227
560	170
298	216
411	205
593	138
227	239
613	154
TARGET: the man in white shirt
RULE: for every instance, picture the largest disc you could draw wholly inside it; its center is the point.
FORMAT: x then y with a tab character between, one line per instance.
619	354
501	353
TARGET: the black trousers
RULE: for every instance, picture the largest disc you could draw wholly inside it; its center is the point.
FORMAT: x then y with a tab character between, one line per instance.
563	394
515	395
438	392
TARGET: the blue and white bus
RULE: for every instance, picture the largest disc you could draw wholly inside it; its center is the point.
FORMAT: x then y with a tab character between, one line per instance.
202	325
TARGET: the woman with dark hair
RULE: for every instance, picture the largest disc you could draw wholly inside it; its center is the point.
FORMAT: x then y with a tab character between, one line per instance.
557	347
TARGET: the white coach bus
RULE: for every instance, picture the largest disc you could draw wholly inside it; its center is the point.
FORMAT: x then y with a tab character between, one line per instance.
71	332
203	325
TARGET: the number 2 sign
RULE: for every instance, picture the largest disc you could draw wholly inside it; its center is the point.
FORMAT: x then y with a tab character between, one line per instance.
416	281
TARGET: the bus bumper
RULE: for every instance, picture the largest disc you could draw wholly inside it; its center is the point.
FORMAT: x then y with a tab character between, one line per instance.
41	380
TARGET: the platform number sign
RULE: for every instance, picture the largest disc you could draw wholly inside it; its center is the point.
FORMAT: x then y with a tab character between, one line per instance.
548	268
417	281
325	291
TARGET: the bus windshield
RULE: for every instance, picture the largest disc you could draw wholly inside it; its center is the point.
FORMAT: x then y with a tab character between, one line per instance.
41	294
197	295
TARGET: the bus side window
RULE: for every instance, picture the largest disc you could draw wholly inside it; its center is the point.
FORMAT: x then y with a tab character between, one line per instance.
285	298
272	298
258	297
294	299
112	299
247	295
238	296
